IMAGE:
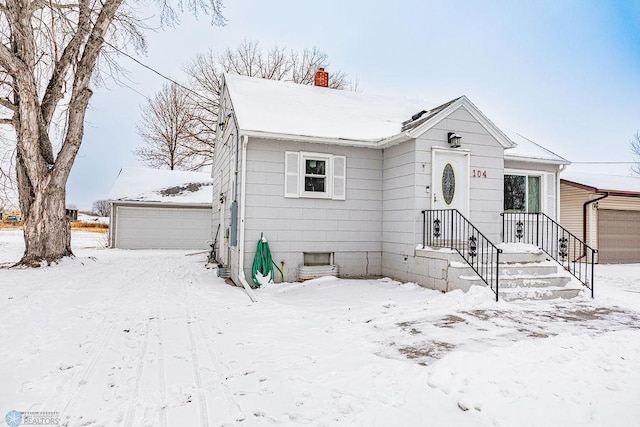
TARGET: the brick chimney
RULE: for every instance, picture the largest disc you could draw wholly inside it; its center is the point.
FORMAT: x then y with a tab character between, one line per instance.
322	78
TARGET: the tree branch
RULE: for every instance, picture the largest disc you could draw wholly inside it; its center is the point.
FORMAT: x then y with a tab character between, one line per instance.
81	93
54	93
4	102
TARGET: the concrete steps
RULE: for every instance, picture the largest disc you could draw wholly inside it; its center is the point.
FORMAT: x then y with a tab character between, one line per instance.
523	275
543	293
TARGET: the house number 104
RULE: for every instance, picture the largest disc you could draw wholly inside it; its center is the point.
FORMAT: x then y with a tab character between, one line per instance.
477	173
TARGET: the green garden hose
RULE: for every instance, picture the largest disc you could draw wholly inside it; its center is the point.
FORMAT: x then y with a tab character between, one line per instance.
262	271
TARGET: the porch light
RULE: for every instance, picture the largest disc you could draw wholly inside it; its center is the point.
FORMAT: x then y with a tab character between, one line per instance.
454	139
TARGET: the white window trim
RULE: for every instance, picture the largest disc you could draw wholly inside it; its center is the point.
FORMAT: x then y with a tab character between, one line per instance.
328	184
335	175
526	174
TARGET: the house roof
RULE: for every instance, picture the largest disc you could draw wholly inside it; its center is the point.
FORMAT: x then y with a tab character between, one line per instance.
165	186
602	183
527	150
271	108
293	109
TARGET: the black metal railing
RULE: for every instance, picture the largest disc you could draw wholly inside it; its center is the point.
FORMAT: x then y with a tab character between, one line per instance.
448	228
565	248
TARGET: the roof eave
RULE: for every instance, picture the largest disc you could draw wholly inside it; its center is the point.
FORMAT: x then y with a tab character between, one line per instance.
537	160
158	203
373	143
585	187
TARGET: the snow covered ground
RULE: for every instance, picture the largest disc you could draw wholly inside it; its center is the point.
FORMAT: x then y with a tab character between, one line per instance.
90	219
152	338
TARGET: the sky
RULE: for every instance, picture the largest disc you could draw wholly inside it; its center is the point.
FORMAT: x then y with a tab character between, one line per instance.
564	73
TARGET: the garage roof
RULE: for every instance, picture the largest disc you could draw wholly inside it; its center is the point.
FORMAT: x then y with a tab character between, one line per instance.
602	183
164	186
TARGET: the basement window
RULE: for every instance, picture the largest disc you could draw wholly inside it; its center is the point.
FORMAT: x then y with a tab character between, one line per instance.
312	259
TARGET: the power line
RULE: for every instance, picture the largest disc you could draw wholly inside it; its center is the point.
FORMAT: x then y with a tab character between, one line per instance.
142	64
604	163
137	61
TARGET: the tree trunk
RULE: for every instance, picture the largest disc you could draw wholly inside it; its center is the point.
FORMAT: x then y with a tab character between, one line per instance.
47	232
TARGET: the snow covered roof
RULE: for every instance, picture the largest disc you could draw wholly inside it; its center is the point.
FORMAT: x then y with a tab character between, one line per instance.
602	183
274	107
528	150
166	186
294	109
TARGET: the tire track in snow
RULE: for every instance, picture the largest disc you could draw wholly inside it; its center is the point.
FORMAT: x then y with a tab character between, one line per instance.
202	398
141	356
97	352
162	378
94	356
238	415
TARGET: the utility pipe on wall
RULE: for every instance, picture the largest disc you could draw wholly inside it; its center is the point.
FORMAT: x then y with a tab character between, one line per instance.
243	184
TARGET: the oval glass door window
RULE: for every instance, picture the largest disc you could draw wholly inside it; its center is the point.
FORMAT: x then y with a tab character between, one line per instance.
448	183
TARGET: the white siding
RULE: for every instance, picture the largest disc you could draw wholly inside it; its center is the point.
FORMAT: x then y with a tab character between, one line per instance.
223	172
407	174
487	155
349	228
162	227
400	213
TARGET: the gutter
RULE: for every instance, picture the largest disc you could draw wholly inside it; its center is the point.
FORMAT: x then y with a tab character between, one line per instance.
584	216
381	143
515	158
243	171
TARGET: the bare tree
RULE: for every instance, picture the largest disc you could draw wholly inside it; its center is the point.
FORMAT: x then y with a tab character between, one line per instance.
205	73
178	125
49	52
101	208
635	148
173	135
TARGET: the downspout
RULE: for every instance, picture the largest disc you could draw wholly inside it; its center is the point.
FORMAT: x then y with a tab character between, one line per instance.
584	219
112	225
243	172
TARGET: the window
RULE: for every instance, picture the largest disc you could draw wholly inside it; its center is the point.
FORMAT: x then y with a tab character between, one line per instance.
315	175
317	258
522	193
448	183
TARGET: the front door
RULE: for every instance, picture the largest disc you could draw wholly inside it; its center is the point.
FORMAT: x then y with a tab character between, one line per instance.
451	180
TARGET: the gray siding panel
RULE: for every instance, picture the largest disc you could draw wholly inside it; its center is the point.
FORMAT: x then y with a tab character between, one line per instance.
377	228
351	228
398	208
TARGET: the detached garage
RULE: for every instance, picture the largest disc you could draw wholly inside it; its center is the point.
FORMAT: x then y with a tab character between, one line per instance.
160	209
604	211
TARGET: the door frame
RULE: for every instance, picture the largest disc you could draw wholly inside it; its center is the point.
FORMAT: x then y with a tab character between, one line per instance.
460	152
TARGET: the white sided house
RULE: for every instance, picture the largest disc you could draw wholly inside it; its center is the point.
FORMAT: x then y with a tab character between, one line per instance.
160	209
366	185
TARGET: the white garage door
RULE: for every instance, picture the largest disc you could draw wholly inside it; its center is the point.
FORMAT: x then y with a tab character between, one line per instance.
162	228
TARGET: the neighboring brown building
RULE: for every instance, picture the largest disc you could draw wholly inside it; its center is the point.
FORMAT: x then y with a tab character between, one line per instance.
603	211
